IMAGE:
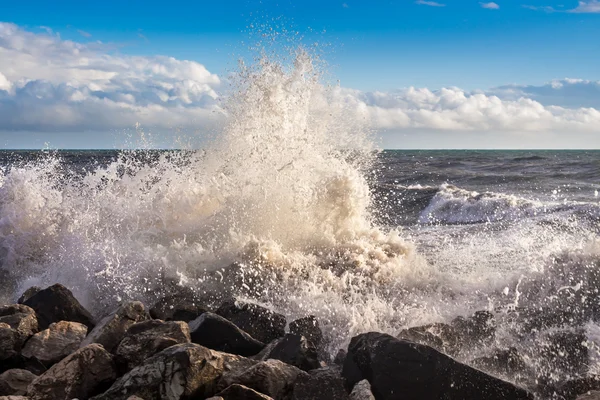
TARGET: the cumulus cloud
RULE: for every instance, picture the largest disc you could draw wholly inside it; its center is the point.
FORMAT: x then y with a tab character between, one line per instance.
49	84
429	3
490	6
570	93
592	6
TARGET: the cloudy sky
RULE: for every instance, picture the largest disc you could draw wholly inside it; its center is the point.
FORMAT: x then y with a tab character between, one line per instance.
432	74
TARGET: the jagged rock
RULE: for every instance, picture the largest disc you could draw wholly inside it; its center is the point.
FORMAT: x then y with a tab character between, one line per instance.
477	330
55	343
217	333
56	303
401	369
111	329
241	392
178	308
147	338
15	382
20	318
294	350
310	329
260	322
320	384
441	337
503	362
82	374
28	293
272	377
362	391
340	357
181	371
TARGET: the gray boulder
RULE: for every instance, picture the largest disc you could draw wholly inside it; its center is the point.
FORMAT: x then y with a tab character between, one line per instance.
294	350
320	384
15	382
362	391
55	343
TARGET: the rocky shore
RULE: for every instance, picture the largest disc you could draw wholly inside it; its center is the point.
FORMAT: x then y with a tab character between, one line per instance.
51	348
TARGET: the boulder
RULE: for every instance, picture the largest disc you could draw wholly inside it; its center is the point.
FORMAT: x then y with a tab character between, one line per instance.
14	398
566	352
55	343
84	373
340	357
592	395
217	333
147	338
310	329
294	350
362	391
570	389
20	318
260	322
241	392
320	384
272	377
178	308
477	330
56	303
502	362
402	369
441	337
181	371
28	293
10	343
15	382
110	330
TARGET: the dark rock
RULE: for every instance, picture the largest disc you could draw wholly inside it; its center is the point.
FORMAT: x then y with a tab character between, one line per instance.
441	337
503	362
217	333
15	382
56	303
592	395
82	374
294	350
28	293
55	343
310	329
111	329
272	377
20	318
362	391
320	384
566	352
178	308
10	342
182	371
477	330
147	338
570	389
402	369
340	357
241	392
261	323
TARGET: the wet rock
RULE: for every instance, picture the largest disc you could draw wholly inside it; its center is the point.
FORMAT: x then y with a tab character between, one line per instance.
503	362
441	337
362	391
570	389
147	338
55	343
28	293
14	398
10	342
310	329
294	350
272	377
178	308
402	369
241	392
340	357
260	322
82	374
477	330
592	395
56	303
111	329
217	333
566	351
320	384
15	382
20	318
180	371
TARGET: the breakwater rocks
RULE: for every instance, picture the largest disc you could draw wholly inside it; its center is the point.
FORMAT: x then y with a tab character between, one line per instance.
52	349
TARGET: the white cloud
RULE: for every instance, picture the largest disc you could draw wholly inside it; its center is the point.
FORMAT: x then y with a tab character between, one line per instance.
430	3
490	6
49	84
592	6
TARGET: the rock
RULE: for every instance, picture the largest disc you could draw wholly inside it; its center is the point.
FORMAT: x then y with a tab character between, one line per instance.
570	389
567	352
147	338
14	398
294	350
181	371
320	384
241	392
272	377
212	398
15	382
178	308
261	323
55	343
340	357
592	395
56	303
441	337
10	342
402	369
310	329
20	318
111	329
477	330
84	373
217	333
362	391
503	362
28	293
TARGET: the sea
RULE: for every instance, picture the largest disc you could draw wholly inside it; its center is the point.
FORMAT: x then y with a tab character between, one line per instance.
295	208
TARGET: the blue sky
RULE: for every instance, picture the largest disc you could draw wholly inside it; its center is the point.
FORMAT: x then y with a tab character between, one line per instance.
372	46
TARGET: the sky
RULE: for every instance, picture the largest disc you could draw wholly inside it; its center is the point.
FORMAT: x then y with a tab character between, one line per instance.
431	74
